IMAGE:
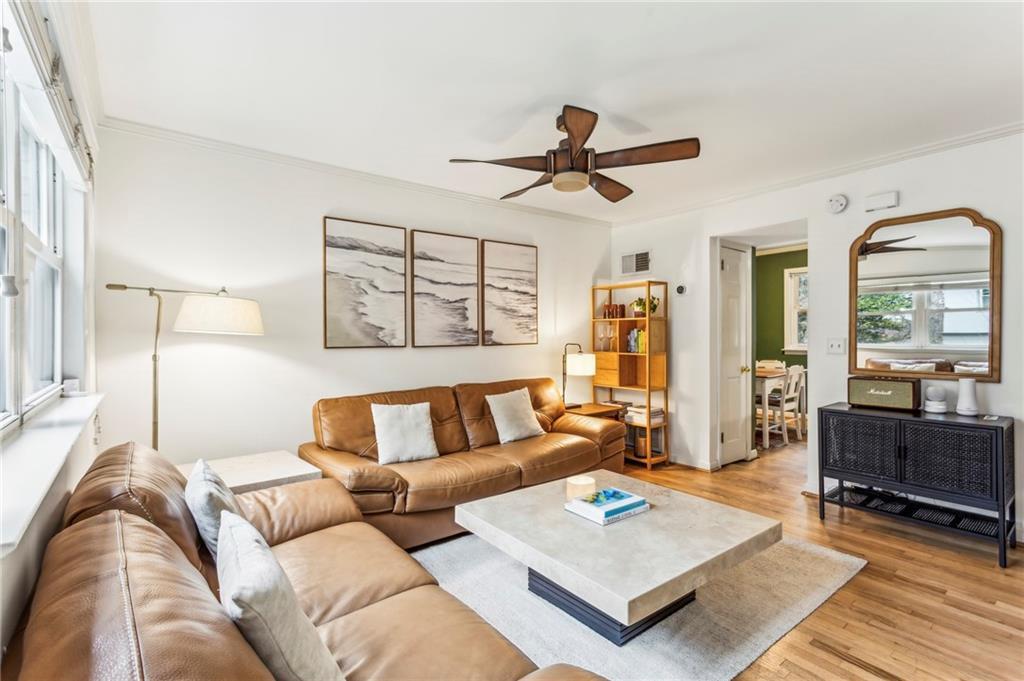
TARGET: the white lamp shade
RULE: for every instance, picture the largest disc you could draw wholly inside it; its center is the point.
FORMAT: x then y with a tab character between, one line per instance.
581	364
219	314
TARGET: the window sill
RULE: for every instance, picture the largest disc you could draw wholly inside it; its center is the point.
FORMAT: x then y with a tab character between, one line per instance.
33	457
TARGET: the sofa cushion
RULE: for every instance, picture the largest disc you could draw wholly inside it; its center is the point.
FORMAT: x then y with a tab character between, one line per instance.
423	633
288	511
258	596
547	457
134	478
346	567
117	599
476	414
346	423
453	479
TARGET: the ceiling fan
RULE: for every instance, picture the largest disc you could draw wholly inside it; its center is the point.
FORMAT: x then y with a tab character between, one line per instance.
872	247
573	167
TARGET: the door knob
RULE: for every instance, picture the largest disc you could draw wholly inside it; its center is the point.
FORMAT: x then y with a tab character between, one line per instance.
744	369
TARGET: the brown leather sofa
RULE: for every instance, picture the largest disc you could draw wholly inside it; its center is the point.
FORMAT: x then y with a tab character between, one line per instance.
413	502
126	591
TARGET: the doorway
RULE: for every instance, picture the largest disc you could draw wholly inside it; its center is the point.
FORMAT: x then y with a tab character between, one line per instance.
759	357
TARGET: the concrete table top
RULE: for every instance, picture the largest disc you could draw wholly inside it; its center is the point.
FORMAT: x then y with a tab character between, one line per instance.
628	569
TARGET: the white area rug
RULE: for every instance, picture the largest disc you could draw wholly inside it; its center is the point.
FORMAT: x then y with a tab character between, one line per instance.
734	619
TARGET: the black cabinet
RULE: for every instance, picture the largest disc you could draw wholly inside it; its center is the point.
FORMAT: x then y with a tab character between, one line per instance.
898	460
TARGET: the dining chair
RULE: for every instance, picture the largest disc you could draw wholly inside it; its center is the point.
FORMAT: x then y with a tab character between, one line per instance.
789	400
770	364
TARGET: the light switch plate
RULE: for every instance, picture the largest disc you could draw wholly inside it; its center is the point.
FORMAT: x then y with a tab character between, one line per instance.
837	346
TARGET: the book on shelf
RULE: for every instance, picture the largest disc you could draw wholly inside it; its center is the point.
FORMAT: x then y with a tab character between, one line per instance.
607	505
642	422
637	415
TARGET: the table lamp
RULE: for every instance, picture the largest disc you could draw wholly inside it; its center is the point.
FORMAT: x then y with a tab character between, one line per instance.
201	312
578	363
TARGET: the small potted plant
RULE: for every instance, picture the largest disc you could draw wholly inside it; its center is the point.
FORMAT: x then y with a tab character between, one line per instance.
640	306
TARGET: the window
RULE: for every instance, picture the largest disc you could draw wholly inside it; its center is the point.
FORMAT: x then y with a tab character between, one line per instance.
795	279
37	179
925	314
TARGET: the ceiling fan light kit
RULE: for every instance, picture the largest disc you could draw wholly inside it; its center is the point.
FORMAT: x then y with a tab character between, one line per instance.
573	166
570	181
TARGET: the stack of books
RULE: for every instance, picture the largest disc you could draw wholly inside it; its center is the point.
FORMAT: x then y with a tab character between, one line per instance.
608	505
623	405
637	415
636	341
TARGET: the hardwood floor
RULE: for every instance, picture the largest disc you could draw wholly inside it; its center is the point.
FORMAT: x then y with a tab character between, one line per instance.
928	605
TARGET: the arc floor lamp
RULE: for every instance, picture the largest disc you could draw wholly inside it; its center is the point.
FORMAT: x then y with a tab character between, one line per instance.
201	312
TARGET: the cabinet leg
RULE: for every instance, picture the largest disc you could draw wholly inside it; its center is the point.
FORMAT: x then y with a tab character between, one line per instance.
1002	535
1013	524
821	497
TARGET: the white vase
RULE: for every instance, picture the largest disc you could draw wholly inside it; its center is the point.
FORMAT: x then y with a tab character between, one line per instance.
967	401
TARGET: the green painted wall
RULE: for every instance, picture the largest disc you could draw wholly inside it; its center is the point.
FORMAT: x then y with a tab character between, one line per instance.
769	299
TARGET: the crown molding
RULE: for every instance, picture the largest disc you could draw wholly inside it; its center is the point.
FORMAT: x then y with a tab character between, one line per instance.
154	132
1015	128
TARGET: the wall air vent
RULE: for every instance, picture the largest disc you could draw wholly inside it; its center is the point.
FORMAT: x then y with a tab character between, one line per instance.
633	263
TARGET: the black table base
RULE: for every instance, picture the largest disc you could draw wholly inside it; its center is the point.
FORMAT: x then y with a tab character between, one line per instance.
606	626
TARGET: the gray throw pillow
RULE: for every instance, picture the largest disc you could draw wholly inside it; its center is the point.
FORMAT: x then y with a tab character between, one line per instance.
258	597
206	496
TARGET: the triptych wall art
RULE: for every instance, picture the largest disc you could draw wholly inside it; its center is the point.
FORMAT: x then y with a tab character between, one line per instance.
464	290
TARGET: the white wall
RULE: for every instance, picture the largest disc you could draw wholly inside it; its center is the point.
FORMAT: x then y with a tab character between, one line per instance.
183	215
985	176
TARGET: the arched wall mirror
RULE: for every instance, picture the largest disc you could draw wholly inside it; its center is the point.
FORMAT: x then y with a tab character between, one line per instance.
925	294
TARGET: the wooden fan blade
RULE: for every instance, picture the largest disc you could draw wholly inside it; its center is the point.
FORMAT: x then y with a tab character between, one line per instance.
544	179
579	125
895	249
609	188
676	150
885	246
522	162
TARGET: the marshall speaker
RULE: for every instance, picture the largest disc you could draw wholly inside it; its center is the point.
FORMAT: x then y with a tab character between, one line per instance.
884	393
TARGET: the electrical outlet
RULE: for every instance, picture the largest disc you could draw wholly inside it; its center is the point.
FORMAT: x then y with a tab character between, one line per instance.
837	346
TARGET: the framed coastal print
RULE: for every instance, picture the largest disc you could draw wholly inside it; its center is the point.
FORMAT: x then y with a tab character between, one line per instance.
364	284
445	290
509	293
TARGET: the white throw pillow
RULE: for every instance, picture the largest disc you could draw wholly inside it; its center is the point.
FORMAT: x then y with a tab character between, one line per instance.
922	366
258	597
206	496
514	417
960	369
404	432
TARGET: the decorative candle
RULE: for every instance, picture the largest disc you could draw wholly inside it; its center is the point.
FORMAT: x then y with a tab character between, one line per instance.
578	485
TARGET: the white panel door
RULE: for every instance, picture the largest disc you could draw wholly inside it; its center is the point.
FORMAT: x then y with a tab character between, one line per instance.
734	336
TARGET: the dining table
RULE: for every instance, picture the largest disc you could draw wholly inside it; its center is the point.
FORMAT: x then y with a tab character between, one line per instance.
766	380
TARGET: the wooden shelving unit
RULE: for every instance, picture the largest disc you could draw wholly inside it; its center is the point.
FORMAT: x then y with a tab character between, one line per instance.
644	372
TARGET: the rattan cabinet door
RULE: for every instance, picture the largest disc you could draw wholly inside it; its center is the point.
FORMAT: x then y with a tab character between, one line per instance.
860	444
949	459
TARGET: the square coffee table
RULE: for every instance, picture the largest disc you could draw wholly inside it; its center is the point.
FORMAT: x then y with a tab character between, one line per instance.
623	578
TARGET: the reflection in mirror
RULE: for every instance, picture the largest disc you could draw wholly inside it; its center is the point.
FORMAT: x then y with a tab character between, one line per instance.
923	298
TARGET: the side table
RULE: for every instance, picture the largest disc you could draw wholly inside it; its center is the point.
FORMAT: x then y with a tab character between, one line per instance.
258	471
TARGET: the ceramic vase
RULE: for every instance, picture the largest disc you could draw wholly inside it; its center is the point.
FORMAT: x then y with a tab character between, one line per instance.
967	401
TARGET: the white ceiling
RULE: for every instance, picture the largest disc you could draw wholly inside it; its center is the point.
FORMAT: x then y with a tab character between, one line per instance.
775	92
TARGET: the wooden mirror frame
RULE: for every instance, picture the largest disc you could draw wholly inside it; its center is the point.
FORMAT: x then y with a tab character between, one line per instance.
995	268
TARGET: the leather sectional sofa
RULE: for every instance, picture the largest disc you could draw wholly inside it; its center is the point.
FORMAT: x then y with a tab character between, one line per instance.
128	591
413	502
